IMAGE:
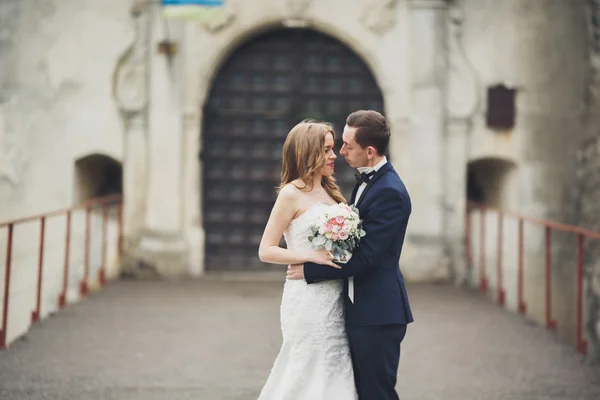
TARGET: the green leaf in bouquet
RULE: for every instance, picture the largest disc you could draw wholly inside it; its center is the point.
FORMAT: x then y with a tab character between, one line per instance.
319	241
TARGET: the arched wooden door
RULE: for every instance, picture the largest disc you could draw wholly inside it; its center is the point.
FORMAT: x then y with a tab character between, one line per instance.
267	86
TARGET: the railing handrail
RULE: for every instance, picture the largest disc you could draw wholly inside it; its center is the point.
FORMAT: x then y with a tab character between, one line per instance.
91	203
548	226
538	221
105	203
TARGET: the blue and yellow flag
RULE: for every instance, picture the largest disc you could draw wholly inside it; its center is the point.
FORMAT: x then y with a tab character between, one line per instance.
196	10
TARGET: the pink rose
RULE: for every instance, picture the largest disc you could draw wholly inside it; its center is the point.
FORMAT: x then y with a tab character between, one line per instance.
328	227
339	220
343	235
335	237
332	221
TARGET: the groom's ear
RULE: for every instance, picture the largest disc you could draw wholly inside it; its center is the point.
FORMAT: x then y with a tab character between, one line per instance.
371	152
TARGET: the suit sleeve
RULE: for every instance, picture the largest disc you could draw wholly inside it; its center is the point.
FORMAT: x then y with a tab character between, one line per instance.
387	213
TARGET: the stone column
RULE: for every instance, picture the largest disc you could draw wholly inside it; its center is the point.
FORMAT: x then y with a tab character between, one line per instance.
192	188
425	142
162	245
194	93
461	104
135	170
131	96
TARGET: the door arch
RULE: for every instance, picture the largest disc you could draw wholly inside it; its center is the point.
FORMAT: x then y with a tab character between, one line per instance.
264	88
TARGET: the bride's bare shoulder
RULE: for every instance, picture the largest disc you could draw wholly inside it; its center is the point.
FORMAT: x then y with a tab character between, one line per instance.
292	190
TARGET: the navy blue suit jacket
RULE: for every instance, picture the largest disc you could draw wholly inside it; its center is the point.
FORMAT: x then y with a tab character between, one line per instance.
380	296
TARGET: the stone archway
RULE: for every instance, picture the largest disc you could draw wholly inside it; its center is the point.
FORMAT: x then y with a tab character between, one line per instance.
97	175
490	181
267	85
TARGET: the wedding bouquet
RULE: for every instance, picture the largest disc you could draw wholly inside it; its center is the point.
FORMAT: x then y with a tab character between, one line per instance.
339	230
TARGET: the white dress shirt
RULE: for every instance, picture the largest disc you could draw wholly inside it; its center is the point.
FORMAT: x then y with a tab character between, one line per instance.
359	192
366	170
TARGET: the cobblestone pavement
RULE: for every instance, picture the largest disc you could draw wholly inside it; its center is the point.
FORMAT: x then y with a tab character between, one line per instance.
216	340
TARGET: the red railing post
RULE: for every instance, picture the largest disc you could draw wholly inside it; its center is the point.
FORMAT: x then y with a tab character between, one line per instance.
483	283
468	250
520	282
581	233
62	298
83	286
3	332
102	272
120	230
39	282
35	315
550	323
581	343
500	288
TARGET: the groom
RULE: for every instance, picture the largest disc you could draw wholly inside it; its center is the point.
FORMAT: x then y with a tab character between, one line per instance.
377	309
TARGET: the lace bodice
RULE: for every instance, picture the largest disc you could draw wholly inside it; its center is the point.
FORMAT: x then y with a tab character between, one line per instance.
298	231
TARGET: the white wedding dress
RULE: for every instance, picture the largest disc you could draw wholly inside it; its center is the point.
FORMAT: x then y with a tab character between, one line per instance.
314	360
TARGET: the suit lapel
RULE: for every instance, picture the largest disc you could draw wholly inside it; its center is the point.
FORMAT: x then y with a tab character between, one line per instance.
353	196
386	167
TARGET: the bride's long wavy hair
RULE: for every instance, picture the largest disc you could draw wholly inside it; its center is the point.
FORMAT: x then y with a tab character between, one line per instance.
303	157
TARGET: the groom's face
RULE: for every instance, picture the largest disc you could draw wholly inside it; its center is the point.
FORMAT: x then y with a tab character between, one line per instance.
355	155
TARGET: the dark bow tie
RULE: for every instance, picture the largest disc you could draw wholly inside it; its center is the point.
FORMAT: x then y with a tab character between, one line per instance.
363	177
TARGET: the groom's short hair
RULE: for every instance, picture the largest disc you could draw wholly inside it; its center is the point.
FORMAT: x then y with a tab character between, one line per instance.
372	129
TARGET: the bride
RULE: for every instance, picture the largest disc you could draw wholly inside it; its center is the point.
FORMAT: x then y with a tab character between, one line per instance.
314	361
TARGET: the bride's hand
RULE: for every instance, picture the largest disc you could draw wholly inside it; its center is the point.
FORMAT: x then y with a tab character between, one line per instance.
324	258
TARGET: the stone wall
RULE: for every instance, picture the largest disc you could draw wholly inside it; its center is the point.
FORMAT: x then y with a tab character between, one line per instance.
579	183
586	190
555	176
522	44
57	61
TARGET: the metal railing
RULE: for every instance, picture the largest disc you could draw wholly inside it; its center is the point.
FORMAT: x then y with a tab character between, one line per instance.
106	205
548	227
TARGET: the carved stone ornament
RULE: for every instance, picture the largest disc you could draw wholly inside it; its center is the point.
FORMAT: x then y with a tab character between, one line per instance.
463	86
594	14
594	9
379	16
297	8
14	132
130	75
224	18
429	4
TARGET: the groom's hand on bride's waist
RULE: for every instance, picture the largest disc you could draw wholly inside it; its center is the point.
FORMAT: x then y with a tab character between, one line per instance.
295	272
